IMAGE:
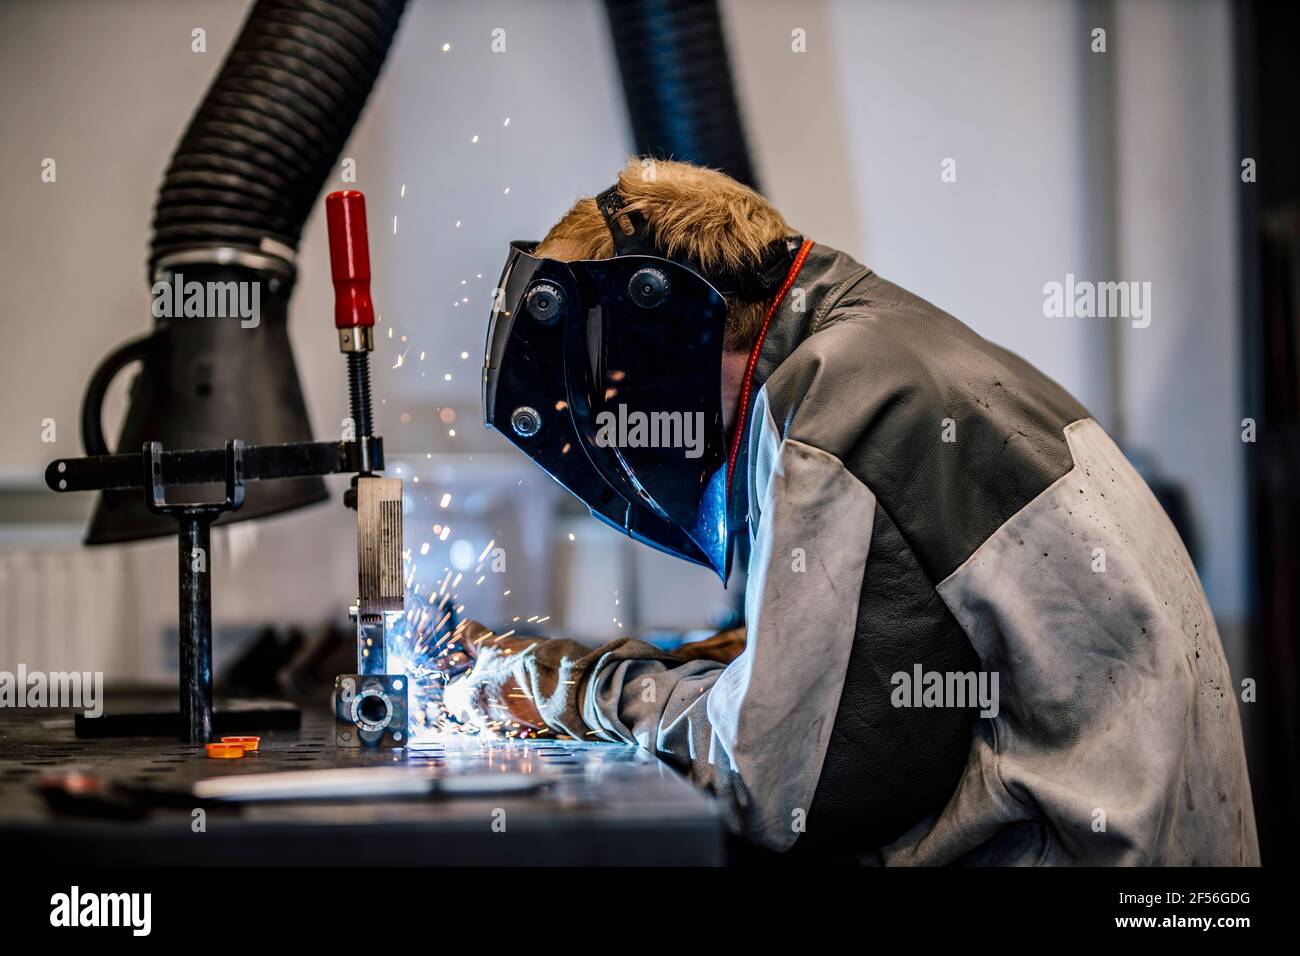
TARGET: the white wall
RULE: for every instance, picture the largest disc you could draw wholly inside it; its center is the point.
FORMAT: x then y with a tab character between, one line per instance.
1178	178
991	85
849	138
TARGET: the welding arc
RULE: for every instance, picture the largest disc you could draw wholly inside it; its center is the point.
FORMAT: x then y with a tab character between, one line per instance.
260	146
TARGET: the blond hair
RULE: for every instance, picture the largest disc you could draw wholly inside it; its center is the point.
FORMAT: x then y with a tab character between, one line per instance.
697	213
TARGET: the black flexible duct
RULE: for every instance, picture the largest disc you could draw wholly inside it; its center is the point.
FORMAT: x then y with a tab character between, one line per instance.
677	82
259	148
245	175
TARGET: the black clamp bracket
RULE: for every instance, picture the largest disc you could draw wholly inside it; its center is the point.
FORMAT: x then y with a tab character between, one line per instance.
152	470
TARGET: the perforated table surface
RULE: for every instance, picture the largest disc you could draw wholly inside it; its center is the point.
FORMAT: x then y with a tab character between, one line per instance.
582	803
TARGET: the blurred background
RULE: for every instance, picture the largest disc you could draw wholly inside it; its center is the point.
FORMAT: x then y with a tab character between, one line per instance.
1167	156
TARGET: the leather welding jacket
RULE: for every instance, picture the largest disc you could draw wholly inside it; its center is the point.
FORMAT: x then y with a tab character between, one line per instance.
917	496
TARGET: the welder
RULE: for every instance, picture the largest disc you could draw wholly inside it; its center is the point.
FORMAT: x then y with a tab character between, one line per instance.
925	513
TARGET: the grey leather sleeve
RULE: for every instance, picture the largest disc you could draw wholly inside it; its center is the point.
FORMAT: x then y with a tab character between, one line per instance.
755	732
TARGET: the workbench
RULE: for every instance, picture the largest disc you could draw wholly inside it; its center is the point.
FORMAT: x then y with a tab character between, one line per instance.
594	803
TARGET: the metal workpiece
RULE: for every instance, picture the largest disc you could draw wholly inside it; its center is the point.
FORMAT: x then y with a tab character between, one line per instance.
379	545
370	710
370	706
380	583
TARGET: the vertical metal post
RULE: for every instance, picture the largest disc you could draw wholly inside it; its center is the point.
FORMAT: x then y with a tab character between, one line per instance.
193	543
195	626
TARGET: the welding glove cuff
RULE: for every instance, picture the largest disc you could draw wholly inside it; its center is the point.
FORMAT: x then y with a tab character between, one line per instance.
560	671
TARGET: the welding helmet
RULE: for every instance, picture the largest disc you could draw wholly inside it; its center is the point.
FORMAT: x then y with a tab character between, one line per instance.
608	374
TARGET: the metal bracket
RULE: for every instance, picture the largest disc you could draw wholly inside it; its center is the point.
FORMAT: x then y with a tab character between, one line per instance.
152	470
370	710
210	465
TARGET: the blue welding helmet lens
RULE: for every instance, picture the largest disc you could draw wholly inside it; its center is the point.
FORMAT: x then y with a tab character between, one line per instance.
607	373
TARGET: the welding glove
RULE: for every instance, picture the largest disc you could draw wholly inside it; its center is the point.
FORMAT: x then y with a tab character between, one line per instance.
493	693
538	683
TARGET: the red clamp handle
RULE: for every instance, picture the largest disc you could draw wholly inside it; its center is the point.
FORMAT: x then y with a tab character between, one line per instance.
345	215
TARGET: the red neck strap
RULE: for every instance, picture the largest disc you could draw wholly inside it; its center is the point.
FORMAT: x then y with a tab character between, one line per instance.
753	357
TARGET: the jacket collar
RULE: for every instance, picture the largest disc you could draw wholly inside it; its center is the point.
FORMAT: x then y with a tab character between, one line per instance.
817	281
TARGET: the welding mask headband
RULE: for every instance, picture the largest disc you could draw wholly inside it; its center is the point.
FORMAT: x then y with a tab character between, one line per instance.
607	373
632	236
